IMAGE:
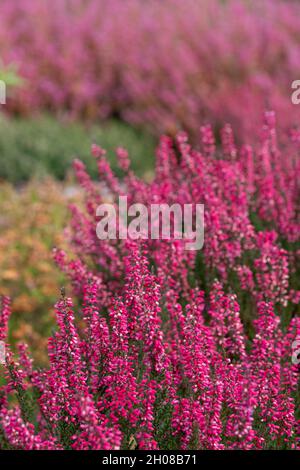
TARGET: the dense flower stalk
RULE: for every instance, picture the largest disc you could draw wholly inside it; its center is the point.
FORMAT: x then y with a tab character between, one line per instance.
168	65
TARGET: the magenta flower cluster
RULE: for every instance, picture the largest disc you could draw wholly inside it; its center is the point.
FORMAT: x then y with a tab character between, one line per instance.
169	64
170	348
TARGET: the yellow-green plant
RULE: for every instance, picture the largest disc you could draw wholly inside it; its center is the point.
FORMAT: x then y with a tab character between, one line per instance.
32	220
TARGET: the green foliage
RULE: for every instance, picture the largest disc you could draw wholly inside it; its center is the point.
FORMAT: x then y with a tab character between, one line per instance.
44	145
9	75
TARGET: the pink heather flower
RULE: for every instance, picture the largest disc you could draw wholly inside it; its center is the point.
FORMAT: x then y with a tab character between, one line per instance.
104	72
94	433
272	270
97	151
225	322
208	140
228	144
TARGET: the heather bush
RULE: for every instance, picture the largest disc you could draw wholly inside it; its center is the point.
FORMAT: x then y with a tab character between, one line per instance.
169	64
170	348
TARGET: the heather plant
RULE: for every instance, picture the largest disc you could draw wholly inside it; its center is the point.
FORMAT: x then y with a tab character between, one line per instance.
42	146
32	220
168	65
169	348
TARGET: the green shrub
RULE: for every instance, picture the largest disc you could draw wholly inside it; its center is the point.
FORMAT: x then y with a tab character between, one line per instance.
44	145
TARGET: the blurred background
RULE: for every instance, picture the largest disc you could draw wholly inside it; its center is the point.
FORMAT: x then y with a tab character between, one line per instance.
119	73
